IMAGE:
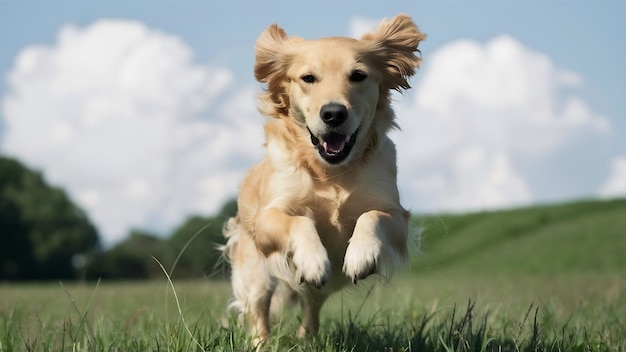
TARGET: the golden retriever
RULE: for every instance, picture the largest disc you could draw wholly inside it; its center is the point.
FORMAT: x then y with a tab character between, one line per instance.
322	210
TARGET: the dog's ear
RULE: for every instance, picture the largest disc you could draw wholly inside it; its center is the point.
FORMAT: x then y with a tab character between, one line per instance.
270	67
268	50
395	45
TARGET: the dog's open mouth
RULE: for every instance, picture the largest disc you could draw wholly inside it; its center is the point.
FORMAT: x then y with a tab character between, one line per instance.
334	147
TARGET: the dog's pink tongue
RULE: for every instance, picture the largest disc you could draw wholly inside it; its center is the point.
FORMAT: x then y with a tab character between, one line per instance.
334	146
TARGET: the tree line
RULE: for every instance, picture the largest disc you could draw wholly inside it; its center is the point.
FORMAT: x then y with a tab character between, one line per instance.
45	236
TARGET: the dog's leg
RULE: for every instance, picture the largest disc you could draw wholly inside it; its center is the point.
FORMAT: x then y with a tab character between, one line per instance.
278	232
379	239
284	297
252	283
253	298
258	314
312	301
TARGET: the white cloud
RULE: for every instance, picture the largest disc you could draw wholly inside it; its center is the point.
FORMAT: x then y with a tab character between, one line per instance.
477	111
118	114
360	26
615	184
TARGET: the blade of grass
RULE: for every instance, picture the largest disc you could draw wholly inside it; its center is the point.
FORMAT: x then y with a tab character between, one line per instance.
82	323
180	311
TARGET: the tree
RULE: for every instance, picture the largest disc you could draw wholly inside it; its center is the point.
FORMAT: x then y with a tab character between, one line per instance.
192	250
41	230
196	242
130	259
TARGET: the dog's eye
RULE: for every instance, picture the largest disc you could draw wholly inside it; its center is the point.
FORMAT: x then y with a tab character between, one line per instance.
308	78
357	76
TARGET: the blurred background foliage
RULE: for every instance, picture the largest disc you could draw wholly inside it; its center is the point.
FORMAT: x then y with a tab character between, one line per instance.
44	236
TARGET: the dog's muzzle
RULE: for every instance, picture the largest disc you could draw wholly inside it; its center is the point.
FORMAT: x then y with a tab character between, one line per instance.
333	147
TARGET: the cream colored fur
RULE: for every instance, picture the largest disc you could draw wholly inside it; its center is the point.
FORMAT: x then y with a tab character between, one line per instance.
322	210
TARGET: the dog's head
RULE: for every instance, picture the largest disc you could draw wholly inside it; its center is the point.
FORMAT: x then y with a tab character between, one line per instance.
335	89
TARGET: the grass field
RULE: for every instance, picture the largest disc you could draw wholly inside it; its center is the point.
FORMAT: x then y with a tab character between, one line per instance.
549	278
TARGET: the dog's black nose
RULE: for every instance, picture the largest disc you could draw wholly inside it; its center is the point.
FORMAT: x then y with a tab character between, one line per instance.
334	114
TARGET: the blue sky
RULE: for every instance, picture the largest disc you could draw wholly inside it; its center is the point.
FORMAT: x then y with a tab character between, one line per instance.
517	102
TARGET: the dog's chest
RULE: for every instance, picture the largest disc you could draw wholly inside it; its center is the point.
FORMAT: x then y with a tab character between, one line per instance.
330	200
336	211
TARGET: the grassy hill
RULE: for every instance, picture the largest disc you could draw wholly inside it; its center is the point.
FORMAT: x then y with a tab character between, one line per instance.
581	237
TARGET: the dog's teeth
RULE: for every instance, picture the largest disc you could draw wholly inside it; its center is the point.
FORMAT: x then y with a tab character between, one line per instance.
334	147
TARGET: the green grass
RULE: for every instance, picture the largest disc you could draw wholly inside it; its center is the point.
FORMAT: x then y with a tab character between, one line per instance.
587	237
428	313
546	278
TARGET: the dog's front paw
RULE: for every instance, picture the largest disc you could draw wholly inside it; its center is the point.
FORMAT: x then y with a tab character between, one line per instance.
312	265
362	257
